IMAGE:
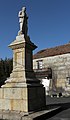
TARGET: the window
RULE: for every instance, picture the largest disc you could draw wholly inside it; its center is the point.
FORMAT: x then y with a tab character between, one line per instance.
68	80
39	64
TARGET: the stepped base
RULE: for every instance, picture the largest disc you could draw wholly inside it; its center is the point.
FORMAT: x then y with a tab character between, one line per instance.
38	115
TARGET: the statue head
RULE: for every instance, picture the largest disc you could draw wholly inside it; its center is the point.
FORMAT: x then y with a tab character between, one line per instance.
24	9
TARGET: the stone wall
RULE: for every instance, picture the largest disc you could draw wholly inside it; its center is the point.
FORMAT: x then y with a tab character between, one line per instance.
60	66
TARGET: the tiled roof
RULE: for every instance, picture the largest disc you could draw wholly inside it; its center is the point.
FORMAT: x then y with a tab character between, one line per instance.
58	50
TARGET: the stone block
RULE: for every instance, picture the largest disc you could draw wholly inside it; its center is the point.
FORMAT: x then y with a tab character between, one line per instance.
15	93
11	116
5	104
1	93
36	100
14	99
19	105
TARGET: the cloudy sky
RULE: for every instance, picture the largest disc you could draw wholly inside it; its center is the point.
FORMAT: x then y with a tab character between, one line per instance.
48	23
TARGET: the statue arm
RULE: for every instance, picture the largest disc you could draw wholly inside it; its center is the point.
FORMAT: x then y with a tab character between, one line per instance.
20	14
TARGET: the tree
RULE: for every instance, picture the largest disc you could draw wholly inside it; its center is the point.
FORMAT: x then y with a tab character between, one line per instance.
6	67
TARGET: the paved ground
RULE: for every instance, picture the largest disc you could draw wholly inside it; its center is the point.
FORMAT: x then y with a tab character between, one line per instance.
55	100
64	114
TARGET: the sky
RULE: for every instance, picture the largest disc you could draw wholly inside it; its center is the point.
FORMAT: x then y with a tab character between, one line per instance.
48	23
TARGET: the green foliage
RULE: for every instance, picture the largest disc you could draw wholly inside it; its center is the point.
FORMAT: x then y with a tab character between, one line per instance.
6	67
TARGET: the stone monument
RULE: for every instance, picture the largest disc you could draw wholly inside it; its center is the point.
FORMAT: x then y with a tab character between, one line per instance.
22	91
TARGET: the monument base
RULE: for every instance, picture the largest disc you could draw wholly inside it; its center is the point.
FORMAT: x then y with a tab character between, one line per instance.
25	99
22	91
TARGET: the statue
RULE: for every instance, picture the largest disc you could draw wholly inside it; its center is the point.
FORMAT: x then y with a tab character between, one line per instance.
23	22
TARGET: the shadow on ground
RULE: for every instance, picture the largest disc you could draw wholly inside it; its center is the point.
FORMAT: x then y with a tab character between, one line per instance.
63	106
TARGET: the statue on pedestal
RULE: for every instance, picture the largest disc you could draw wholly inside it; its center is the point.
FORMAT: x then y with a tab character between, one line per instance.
23	22
22	91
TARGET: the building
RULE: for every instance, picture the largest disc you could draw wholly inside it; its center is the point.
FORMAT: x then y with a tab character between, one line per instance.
57	59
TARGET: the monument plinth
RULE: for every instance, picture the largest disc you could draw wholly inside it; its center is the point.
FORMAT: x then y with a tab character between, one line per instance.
22	91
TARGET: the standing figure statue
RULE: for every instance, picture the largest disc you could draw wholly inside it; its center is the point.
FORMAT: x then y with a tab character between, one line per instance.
23	22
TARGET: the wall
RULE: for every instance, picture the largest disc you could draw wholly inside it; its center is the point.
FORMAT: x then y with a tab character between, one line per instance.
60	65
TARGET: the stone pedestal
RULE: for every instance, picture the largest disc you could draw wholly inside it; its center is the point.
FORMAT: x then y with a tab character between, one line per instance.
22	91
